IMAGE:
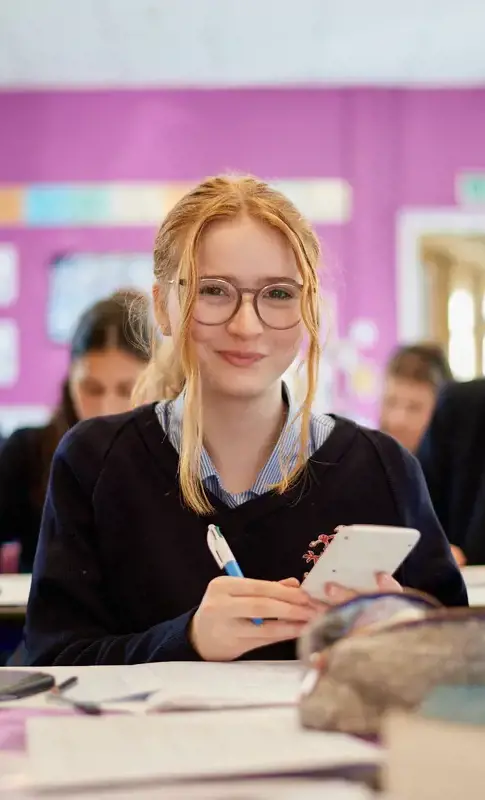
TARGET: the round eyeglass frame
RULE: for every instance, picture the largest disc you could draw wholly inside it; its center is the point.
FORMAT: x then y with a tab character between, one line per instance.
256	293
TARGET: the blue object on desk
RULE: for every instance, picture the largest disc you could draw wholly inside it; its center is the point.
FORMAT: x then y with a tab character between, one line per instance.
457	703
224	557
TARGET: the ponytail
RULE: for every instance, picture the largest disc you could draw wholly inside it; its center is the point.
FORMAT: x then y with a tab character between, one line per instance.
162	379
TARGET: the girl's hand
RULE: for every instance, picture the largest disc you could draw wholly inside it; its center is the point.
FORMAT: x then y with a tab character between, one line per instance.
458	555
222	627
340	594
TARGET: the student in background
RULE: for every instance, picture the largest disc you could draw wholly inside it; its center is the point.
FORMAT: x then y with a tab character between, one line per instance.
452	455
123	573
413	377
105	363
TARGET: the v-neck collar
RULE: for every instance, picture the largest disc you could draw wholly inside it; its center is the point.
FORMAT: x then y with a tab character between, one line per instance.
285	450
323	459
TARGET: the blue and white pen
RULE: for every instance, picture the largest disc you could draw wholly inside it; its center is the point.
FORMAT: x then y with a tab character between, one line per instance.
224	557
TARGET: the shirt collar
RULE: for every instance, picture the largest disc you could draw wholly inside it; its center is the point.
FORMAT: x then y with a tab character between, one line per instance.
285	452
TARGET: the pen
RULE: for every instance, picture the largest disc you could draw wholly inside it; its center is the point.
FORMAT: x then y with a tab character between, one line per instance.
57	694
65	685
224	557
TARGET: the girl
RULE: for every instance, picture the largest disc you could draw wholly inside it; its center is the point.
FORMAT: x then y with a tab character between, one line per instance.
104	366
123	573
414	376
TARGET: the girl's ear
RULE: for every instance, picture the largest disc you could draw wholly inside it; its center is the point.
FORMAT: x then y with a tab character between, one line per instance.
160	309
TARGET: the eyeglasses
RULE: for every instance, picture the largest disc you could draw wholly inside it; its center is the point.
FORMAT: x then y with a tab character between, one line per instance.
277	305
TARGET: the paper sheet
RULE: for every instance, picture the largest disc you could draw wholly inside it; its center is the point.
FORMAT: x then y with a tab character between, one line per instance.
106	684
12	779
9	352
118	749
9	275
193	685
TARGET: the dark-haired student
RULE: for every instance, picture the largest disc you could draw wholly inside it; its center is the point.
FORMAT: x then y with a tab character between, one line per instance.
105	363
413	378
123	573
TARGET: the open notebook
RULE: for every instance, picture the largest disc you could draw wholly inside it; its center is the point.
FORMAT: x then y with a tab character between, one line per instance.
119	750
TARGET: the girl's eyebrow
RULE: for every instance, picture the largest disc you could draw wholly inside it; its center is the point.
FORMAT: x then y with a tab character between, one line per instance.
265	281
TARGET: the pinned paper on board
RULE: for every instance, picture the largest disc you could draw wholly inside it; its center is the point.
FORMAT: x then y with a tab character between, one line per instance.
9	275
9	353
77	280
364	381
364	333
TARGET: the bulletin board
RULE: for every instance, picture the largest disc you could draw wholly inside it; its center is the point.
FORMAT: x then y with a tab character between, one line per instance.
64	246
77	280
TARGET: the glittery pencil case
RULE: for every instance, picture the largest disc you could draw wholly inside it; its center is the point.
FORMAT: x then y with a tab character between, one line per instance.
378	652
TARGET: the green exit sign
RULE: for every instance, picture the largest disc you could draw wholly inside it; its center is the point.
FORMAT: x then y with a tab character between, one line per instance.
470	188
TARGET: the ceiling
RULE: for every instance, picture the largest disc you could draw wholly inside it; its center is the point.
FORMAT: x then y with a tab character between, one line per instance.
149	43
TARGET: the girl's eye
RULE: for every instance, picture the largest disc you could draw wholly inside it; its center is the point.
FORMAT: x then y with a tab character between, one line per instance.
212	290
280	293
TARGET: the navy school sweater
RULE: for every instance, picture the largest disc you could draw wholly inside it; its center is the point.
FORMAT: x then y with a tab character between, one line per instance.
122	564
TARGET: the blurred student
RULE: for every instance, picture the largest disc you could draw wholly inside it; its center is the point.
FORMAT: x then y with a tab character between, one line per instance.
413	377
123	573
106	360
452	455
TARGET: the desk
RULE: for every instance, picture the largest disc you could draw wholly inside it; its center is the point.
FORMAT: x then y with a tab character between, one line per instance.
14	595
474	578
14	762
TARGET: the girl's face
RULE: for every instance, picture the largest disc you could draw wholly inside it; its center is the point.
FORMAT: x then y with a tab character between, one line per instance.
243	357
101	382
407	407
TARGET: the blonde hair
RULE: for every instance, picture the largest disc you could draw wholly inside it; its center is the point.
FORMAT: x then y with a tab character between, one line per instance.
175	368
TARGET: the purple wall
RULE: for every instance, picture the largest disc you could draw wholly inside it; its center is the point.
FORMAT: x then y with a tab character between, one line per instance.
396	148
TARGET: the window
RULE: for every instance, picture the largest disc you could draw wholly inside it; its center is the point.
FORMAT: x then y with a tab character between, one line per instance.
462	345
456	301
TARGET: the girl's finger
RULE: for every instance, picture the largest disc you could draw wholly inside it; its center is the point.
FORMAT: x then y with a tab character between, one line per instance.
270	631
386	583
265	608
339	594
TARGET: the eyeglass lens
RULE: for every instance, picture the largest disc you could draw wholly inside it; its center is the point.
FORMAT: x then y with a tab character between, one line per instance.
278	305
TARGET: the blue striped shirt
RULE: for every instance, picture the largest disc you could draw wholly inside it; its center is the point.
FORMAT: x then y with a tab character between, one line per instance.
284	454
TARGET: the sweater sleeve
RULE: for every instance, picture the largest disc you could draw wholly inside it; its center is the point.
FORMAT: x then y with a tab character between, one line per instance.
70	619
430	567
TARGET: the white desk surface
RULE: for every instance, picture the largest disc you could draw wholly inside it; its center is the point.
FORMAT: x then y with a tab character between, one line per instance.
14	590
475	583
474	576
